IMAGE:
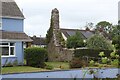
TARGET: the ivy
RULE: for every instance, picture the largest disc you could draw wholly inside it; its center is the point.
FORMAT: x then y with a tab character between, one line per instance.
49	34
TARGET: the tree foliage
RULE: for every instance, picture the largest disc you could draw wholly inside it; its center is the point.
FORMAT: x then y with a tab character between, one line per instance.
75	41
116	41
115	34
99	42
105	26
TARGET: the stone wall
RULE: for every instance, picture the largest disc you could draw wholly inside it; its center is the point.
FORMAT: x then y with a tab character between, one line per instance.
57	53
66	55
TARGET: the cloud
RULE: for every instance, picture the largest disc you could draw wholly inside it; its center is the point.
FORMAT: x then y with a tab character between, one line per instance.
73	13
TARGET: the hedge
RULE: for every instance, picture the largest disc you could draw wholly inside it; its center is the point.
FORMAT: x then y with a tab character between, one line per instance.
35	56
90	52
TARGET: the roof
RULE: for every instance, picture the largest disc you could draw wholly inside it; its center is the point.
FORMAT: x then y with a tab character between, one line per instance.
85	33
14	36
70	32
38	40
11	10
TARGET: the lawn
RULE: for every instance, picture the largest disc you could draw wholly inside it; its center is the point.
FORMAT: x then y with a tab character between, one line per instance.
59	65
21	69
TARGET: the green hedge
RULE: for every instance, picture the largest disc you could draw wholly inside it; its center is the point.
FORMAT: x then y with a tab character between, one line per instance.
90	52
35	56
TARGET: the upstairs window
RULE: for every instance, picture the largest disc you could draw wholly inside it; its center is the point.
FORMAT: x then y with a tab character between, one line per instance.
8	49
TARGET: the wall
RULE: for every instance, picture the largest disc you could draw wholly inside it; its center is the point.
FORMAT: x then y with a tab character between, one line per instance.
19	52
10	24
57	53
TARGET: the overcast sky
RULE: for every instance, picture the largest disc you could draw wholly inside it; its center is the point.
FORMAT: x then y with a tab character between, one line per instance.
73	13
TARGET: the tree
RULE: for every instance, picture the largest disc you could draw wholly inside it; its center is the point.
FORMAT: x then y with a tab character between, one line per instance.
90	25
118	22
105	26
75	41
116	41
99	42
116	36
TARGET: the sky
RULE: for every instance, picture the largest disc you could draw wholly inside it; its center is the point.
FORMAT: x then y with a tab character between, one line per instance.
74	14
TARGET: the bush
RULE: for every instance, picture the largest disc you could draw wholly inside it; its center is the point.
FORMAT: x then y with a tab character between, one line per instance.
90	52
35	56
49	67
104	60
99	42
115	62
91	63
75	41
101	54
78	63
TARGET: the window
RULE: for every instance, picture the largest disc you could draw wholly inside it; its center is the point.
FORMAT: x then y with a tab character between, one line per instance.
8	49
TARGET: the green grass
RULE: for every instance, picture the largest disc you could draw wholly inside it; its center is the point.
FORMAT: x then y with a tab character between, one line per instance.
20	69
59	65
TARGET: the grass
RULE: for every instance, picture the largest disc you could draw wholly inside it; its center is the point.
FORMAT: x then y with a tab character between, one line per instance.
59	65
22	69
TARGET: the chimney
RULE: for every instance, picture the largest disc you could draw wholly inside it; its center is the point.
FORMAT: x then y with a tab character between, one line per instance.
87	29
55	19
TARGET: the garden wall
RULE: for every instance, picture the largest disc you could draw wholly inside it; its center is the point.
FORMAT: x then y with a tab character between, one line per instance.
57	53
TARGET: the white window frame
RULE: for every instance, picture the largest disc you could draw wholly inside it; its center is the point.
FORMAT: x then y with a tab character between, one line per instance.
9	49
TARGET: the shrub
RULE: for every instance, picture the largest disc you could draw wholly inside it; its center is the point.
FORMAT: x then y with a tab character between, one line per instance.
91	63
75	41
96	64
77	63
99	42
104	60
101	54
112	55
35	56
49	67
115	62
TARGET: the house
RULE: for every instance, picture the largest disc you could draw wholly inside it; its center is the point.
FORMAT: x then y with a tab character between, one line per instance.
87	33
12	34
38	41
70	32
